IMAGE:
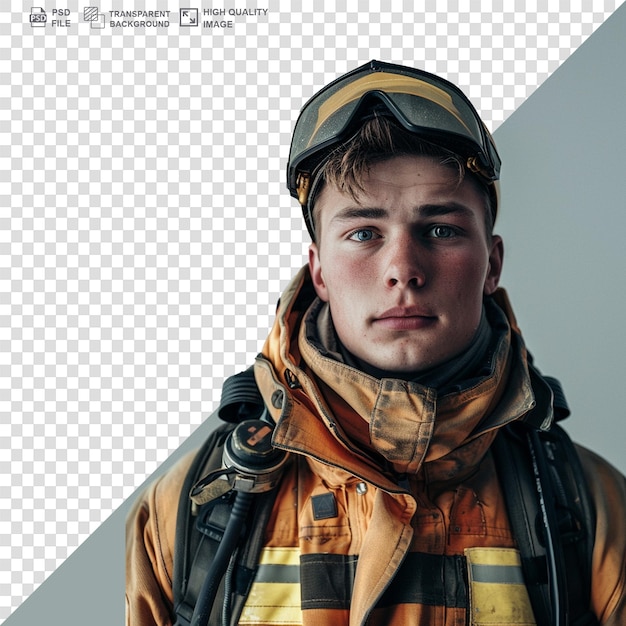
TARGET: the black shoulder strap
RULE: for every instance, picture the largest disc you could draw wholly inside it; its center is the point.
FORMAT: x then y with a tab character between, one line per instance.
552	518
188	538
199	529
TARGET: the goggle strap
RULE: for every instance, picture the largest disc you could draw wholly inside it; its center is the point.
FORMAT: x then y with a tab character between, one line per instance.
303	186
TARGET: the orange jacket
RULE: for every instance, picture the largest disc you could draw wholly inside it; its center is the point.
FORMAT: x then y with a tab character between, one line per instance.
391	507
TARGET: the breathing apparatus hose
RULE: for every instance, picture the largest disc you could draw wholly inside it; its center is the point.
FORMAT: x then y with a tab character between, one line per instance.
251	466
228	589
553	551
226	548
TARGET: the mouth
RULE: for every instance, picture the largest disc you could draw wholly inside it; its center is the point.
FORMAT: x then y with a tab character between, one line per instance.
404	318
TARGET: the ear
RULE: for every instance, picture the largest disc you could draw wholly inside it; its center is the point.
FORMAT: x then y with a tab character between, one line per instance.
315	267
496	258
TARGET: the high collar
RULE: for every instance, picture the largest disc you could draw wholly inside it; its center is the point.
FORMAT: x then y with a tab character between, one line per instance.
389	422
319	330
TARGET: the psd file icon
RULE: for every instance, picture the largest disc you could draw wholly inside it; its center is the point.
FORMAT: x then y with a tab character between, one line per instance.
38	17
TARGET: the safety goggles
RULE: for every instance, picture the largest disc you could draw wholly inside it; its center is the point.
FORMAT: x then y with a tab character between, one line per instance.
424	104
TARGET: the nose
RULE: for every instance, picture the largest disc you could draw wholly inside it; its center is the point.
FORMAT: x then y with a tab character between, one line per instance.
405	265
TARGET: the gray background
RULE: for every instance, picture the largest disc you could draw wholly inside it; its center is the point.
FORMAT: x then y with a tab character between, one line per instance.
147	235
563	223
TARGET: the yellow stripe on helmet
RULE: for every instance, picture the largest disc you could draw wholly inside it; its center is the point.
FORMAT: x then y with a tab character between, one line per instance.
389	83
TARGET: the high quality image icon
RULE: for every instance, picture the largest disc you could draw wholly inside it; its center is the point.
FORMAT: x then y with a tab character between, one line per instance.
188	17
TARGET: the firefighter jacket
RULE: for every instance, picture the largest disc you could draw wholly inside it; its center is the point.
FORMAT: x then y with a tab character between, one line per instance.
390	511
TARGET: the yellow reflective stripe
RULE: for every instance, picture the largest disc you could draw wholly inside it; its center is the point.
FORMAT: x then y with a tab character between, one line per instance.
280	556
275	601
393	83
497	591
494	556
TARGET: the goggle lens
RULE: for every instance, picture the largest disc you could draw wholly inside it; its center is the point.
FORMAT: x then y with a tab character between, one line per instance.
424	104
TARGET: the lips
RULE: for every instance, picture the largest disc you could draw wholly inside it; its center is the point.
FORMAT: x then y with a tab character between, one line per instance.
404	318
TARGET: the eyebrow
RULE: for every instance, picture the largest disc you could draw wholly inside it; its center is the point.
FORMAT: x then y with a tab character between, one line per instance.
426	210
350	213
434	210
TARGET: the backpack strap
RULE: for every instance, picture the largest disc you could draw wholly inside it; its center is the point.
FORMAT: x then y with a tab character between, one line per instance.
553	520
200	528
187	579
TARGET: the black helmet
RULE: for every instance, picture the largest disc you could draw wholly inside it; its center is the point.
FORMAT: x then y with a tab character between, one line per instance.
426	105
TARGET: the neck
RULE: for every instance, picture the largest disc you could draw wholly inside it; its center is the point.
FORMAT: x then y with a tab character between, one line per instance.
465	365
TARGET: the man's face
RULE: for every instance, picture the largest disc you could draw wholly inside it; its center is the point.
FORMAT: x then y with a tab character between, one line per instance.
405	267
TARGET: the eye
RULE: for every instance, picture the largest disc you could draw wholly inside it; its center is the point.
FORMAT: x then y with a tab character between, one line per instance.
363	234
441	231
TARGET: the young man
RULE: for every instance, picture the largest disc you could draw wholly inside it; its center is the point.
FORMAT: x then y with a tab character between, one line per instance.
392	373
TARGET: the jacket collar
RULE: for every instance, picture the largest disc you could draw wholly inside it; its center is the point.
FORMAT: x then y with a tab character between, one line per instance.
338	414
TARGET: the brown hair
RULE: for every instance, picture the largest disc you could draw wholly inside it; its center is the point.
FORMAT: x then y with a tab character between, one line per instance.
379	139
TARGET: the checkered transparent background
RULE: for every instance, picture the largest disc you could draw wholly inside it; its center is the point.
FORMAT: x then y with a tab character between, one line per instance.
146	233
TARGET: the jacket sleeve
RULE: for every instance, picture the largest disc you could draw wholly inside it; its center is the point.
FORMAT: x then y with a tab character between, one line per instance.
608	586
150	536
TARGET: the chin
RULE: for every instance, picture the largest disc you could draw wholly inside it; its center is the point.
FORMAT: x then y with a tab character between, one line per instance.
394	368
407	364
